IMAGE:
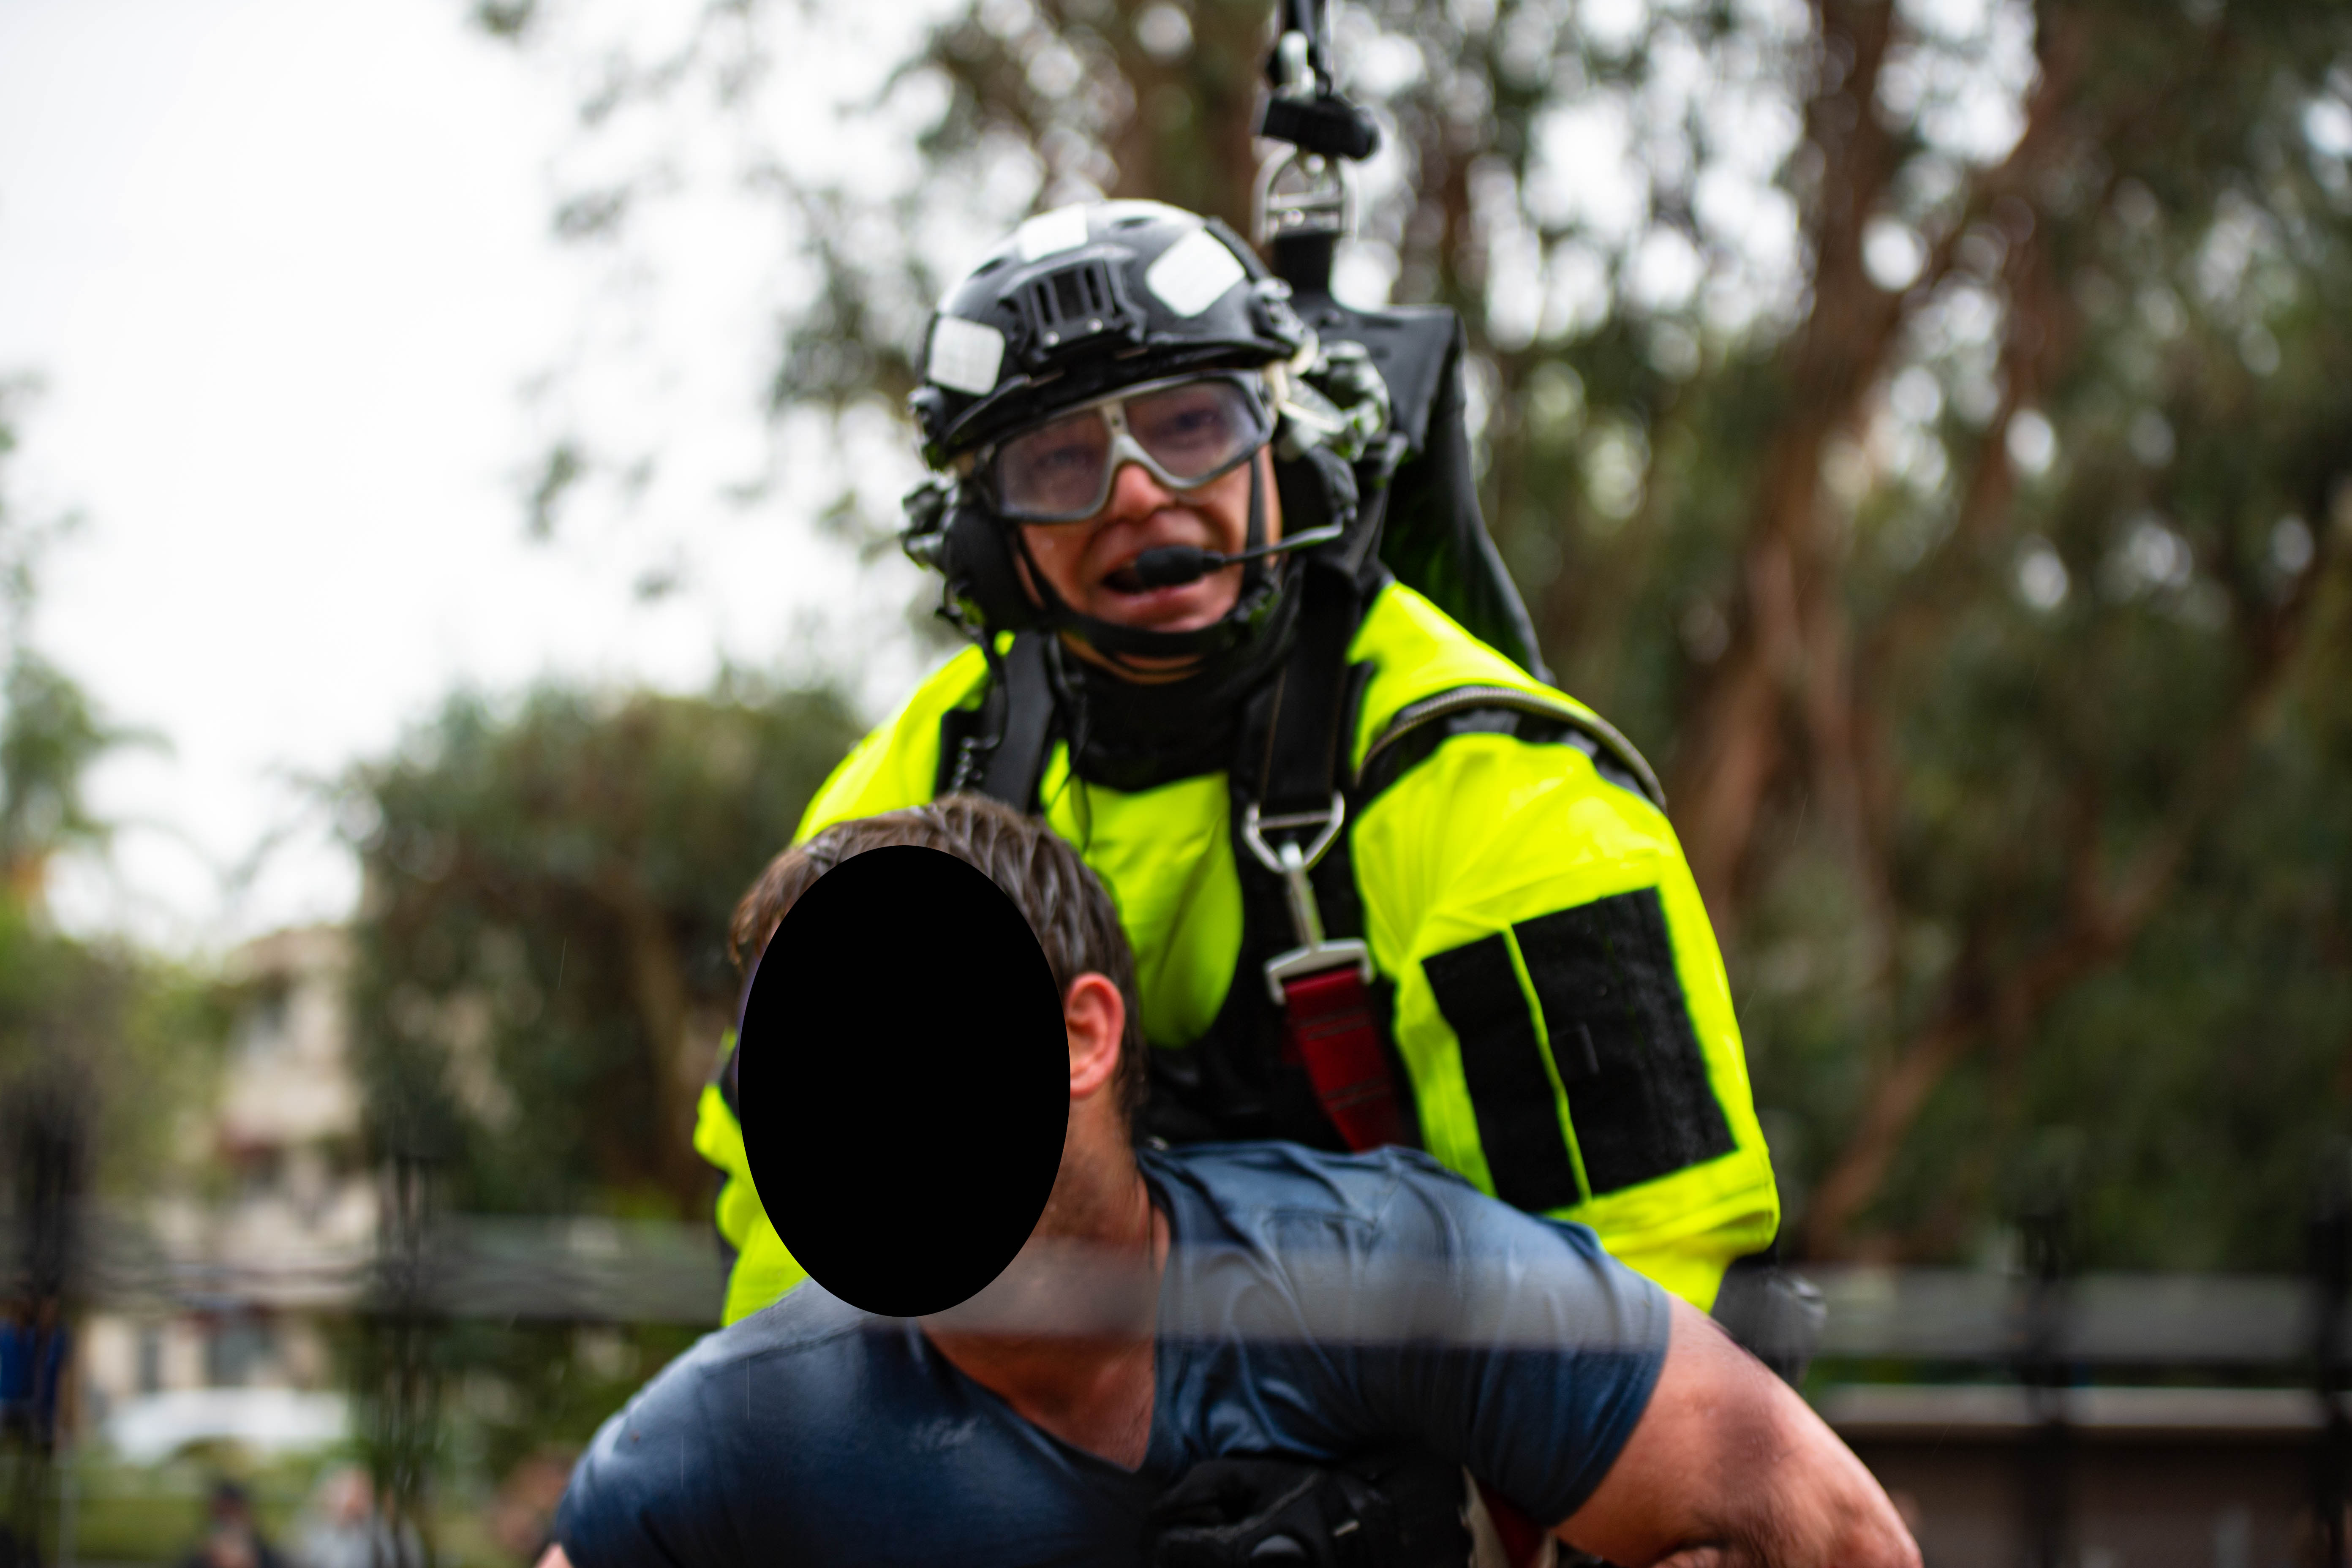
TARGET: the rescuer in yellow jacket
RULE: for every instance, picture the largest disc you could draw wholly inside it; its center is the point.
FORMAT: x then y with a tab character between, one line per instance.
1382	881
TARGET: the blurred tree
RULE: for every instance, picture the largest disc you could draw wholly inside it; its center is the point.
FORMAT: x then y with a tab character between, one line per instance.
541	978
49	732
1921	425
100	1045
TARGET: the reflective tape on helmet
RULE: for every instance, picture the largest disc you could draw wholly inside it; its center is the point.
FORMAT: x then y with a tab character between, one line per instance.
1194	273
965	355
1064	228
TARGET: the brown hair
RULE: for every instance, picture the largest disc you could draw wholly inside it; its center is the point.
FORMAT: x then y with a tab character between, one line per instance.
1065	904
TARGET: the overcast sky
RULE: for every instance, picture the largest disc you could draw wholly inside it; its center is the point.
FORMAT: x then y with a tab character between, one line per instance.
284	270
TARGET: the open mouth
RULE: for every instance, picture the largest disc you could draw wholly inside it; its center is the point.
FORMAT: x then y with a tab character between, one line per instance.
1163	568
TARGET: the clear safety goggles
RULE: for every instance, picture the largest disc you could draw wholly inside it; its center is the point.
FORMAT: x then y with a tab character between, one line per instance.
1183	431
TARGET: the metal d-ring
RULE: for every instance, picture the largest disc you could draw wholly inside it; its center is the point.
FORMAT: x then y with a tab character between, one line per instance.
1314	953
1253	834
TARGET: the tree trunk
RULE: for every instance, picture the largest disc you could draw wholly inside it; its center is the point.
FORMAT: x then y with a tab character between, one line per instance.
2105	915
1732	750
665	1013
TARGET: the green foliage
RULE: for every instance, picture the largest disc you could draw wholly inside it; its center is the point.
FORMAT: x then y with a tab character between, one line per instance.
48	738
126	1514
528	1389
110	1043
2114	800
49	732
542	977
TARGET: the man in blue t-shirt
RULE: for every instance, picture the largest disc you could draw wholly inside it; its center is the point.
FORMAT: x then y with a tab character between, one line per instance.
1178	1307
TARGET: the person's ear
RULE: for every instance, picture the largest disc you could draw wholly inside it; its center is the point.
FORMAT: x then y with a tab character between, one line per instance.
1095	1014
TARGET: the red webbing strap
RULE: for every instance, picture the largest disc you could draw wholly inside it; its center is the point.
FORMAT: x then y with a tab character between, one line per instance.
1522	1538
1328	1028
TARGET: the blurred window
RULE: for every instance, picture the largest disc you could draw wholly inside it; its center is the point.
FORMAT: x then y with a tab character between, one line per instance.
237	1347
151	1358
267	1034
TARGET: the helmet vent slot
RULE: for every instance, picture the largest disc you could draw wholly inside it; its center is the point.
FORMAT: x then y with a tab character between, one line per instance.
1071	305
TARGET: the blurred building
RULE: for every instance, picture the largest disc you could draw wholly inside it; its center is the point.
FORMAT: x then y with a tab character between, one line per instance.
279	1224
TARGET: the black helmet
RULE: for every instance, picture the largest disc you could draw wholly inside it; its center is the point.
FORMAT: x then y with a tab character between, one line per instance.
1082	301
1077	305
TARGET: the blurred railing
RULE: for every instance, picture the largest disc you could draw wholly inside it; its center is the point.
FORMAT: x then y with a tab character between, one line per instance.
2033	1419
579	1270
2220	1321
590	1270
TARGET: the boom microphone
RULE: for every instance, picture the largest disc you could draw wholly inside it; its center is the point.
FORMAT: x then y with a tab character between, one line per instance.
1170	565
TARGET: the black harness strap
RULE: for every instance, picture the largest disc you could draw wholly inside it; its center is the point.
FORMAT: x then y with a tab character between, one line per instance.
1298	756
1016	765
1319	1068
1233	1081
1296	733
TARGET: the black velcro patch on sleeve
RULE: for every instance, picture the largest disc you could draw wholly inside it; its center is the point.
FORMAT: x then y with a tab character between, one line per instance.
1518	1121
1612	1003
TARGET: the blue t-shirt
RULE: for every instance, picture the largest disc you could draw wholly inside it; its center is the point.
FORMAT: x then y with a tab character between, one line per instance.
1315	1307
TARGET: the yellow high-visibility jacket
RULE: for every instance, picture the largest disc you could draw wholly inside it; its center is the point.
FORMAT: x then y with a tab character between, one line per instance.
1559	1004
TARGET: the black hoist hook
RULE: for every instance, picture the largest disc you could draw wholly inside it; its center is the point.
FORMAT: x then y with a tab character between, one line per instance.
1304	205
1306	109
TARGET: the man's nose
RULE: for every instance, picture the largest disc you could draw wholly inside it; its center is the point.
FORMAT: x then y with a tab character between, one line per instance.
1134	493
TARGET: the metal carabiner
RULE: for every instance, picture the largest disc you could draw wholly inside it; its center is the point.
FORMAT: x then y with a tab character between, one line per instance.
1317	197
1300	193
1314	953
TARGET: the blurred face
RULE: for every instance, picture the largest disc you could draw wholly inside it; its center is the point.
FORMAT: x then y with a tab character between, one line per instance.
1166	465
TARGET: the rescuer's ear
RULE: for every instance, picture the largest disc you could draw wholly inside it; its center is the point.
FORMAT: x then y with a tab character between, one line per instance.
1095	1014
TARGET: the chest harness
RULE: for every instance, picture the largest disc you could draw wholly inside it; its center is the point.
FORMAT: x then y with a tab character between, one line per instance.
1298	1049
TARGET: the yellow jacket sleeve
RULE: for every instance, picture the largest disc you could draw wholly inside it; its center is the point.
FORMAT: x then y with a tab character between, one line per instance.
763	1268
1560	1003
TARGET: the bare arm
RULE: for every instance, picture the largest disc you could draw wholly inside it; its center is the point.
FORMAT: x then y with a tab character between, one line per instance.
1728	1469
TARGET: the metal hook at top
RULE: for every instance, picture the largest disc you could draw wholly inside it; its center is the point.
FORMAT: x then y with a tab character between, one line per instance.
1301	193
1304	26
1294	67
